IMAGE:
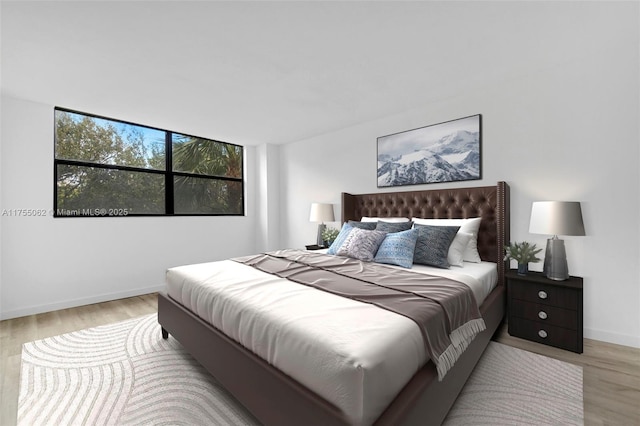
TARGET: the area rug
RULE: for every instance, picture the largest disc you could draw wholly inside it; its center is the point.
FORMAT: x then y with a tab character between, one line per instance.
126	374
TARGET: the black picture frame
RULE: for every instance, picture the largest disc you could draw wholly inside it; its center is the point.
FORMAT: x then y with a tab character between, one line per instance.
450	151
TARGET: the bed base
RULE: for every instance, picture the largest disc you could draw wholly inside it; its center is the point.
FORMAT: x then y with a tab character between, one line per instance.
276	399
270	395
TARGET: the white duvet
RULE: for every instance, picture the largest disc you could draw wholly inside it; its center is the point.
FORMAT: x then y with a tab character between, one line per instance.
355	355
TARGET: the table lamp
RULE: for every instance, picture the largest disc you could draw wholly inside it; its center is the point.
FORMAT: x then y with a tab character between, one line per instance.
556	218
321	212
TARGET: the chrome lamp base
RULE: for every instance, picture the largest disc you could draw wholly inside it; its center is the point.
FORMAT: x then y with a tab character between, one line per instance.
555	260
321	229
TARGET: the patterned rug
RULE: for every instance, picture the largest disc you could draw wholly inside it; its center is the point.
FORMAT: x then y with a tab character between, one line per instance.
126	374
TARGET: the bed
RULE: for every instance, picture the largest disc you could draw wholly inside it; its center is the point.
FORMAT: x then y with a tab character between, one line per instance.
276	398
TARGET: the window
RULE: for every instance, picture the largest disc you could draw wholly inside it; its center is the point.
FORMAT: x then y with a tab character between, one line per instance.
106	167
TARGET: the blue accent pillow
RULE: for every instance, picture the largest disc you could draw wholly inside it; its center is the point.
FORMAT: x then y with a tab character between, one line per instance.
361	244
393	226
342	235
433	244
398	248
370	226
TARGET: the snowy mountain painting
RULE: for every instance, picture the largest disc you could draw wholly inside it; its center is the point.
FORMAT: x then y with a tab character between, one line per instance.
444	152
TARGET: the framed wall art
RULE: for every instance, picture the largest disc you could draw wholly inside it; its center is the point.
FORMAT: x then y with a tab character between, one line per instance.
443	152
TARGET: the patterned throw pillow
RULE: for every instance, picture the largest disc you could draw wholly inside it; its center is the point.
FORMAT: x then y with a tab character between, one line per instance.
398	248
342	235
363	225
433	244
469	226
393	226
361	244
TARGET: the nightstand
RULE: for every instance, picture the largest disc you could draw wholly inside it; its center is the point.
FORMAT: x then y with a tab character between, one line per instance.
545	311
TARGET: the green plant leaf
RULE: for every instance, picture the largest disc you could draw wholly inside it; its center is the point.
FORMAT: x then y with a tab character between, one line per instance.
523	252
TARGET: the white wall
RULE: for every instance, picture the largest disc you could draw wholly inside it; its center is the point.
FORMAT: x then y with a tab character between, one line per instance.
564	130
560	127
267	198
56	263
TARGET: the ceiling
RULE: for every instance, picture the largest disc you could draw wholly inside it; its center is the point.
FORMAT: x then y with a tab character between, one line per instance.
268	72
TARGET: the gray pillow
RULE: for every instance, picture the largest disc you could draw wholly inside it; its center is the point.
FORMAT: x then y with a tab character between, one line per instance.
370	226
393	226
433	244
361	244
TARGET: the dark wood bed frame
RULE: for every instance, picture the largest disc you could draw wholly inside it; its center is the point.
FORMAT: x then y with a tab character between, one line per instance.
276	399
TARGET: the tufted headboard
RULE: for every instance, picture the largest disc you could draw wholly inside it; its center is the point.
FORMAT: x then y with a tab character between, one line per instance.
489	202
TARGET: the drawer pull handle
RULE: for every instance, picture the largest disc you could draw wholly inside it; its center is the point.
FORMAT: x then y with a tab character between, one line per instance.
542	294
542	315
542	334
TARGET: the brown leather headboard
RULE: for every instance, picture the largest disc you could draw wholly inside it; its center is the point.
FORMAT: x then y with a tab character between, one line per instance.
489	202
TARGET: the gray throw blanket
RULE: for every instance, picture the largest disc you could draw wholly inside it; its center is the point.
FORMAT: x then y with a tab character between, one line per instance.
444	309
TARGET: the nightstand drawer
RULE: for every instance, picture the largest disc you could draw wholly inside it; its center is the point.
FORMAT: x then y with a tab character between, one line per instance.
545	311
544	314
544	333
543	294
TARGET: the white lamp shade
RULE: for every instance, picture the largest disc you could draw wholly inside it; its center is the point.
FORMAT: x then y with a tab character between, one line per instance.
321	212
556	218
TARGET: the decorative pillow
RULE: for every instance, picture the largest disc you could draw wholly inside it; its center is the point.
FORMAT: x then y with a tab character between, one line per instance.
397	248
342	235
433	244
386	219
470	226
363	225
361	244
385	226
456	249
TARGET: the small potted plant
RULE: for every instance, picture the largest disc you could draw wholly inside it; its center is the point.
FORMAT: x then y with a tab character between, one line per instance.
329	235
523	253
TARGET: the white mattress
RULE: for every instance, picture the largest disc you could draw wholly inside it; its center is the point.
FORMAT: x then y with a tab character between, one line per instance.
353	354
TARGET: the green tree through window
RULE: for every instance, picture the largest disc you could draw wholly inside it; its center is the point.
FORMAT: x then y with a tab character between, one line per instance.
107	167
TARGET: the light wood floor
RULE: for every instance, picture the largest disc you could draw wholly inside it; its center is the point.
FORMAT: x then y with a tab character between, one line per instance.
611	372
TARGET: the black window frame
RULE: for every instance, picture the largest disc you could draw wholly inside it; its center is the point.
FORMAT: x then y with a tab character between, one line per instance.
168	173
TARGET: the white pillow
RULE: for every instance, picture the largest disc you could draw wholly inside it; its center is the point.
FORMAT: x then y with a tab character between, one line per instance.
469	226
384	219
455	256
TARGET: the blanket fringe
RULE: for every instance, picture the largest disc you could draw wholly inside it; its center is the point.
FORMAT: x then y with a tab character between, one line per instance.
466	332
460	340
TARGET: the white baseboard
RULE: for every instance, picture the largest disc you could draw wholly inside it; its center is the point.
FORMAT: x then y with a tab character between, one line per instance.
32	310
610	337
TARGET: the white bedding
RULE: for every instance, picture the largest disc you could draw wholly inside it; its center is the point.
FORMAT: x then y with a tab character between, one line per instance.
353	354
